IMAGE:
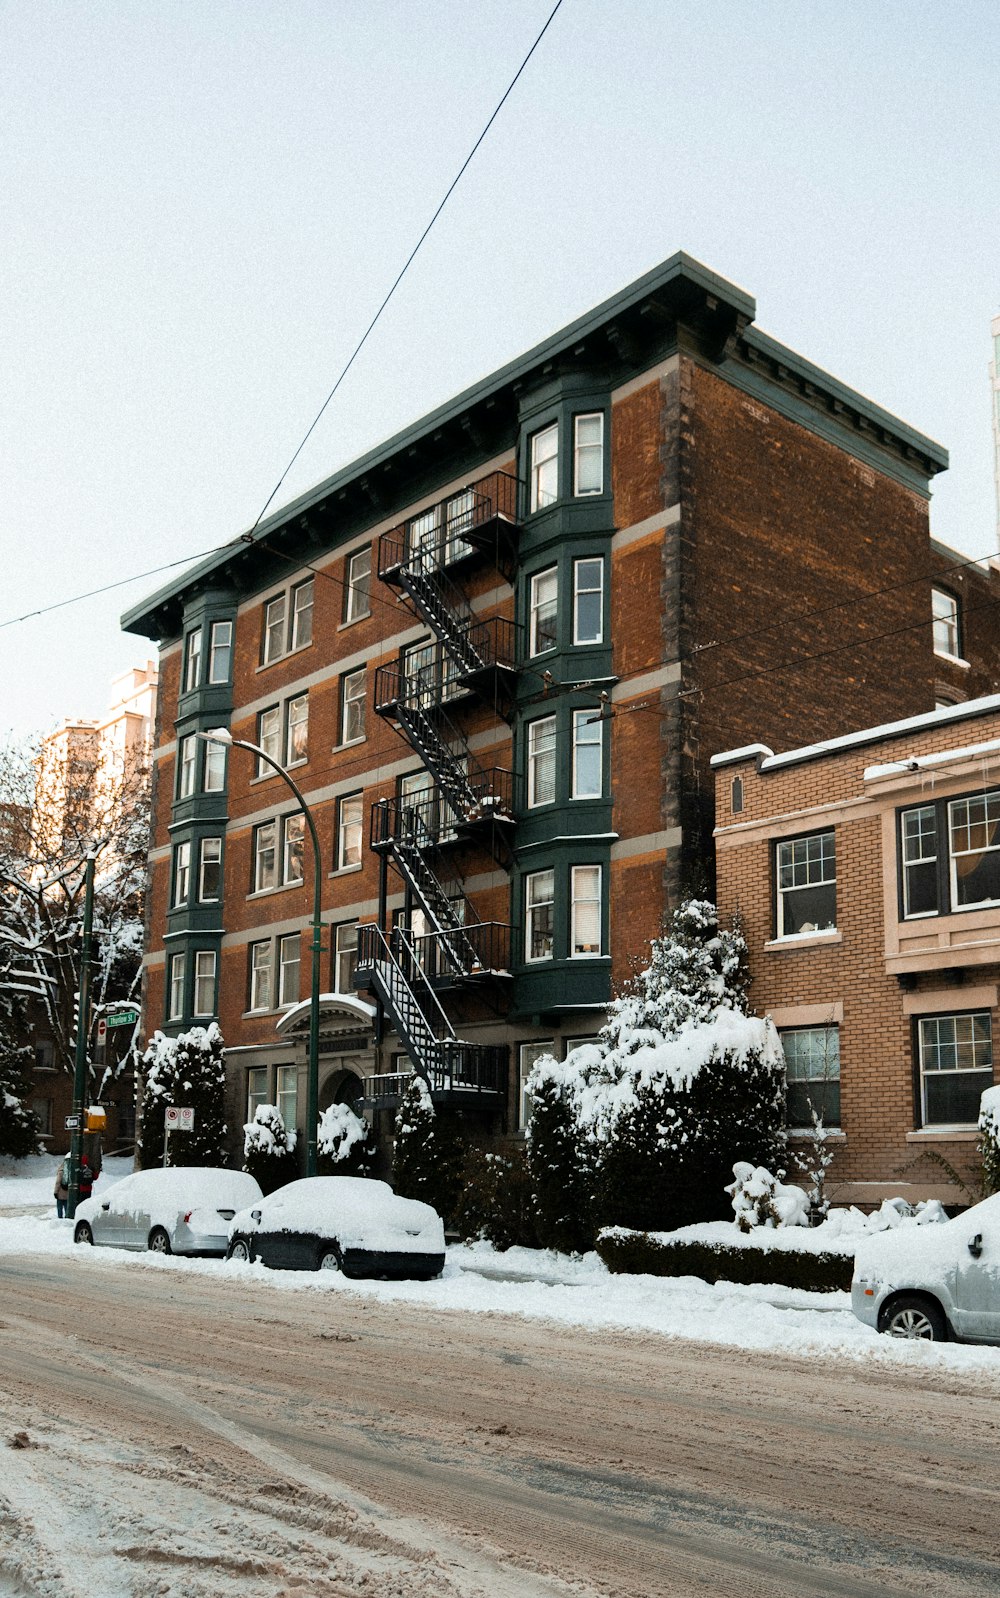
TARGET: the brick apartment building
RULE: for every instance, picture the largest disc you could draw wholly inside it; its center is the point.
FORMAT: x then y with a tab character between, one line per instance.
497	653
867	874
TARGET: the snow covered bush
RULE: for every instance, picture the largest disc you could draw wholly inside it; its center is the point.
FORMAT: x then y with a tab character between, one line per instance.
762	1199
496	1201
427	1151
989	1143
187	1072
269	1149
558	1159
344	1144
814	1160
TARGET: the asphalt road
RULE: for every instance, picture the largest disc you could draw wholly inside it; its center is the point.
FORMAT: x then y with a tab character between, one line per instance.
169	1433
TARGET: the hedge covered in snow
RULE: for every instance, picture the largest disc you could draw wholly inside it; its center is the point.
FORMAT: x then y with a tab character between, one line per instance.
638	1253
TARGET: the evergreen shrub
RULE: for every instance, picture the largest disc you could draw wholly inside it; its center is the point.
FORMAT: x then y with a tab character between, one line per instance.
188	1071
636	1253
428	1154
496	1201
269	1149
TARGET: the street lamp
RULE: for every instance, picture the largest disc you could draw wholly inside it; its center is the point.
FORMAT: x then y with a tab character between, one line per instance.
222	735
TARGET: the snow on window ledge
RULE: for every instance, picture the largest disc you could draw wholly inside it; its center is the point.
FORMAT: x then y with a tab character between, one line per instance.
799	940
953	660
799	1133
946	1134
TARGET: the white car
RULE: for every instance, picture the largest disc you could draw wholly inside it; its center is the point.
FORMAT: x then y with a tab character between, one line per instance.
341	1223
184	1209
934	1282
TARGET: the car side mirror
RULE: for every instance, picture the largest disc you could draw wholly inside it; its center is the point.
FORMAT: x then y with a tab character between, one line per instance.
255	1214
106	1205
976	1245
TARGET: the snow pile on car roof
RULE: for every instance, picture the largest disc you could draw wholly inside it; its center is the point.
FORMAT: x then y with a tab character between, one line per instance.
355	1211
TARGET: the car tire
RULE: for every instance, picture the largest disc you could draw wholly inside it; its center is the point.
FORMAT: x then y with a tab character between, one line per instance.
910	1316
239	1250
330	1259
158	1241
83	1234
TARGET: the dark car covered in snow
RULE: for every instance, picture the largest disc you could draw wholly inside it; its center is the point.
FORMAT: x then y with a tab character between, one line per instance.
340	1223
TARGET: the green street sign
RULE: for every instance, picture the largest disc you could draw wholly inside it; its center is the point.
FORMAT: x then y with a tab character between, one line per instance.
122	1018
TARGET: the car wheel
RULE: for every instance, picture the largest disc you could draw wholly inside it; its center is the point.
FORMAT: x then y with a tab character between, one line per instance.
83	1234
330	1260
159	1242
239	1249
914	1318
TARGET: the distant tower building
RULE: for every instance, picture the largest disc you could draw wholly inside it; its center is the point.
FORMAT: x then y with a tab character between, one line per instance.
995	410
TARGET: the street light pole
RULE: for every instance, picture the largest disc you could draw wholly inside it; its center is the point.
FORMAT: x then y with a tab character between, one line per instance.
82	1029
222	735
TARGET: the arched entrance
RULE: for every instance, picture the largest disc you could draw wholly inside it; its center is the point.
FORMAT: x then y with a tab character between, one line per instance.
346	1045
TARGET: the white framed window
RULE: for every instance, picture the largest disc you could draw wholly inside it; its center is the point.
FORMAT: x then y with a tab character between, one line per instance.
205	961
420	671
289	959
357	590
302	613
349	831
265	861
539	908
425	540
588	755
527	1054
974	847
210	869
175	988
273	645
293	847
192	661
286	1093
256	1089
458	515
956	1065
215	767
812	1074
187	767
269	738
220	652
353	690
585	911
807	884
182	873
542	611
946	628
297	732
541	761
345	957
588	453
588	600
260	976
918	834
545	467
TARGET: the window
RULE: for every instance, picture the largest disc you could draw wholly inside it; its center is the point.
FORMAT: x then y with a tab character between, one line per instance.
215	767
352	707
182	873
588	736
256	1089
297	735
260	976
736	796
345	957
424	540
585	922
542	612
210	869
956	1064
204	982
951	855
294	841
175	988
269	738
357	591
812	1073
528	1053
419	663
539	896
458	519
42	1111
302	613
945	627
286	1094
588	453
545	467
349	831
542	761
807	884
192	661
186	767
274	629
264	857
45	1056
588	601
289	956
220	652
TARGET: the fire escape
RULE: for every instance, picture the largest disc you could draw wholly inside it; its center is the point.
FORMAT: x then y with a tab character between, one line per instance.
455	800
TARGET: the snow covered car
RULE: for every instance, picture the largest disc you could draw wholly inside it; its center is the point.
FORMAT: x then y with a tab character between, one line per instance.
341	1223
185	1209
934	1282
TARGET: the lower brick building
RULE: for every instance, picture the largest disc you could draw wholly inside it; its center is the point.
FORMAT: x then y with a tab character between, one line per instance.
866	872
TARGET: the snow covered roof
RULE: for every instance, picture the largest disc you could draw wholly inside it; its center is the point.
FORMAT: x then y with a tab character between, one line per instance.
332	1007
867	735
938	758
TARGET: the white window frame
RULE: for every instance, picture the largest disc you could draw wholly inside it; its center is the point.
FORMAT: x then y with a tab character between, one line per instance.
584	453
353	704
215	767
205	859
350	832
584	900
256	1089
293	832
539	604
544	470
588	734
828	1036
808	859
265	846
345	954
297	722
303	600
541	746
535	883
289	959
357	593
965	1022
273	643
206	963
946	624
989	800
286	1094
220	651
580	594
182	874
527	1054
261	975
187	766
192	661
175	987
268	738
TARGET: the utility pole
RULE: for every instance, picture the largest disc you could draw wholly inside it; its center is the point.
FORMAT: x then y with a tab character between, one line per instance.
82	1030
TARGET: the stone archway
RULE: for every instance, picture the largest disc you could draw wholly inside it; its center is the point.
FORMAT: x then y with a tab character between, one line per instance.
344	1084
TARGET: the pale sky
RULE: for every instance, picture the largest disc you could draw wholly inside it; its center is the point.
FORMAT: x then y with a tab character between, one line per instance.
204	201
